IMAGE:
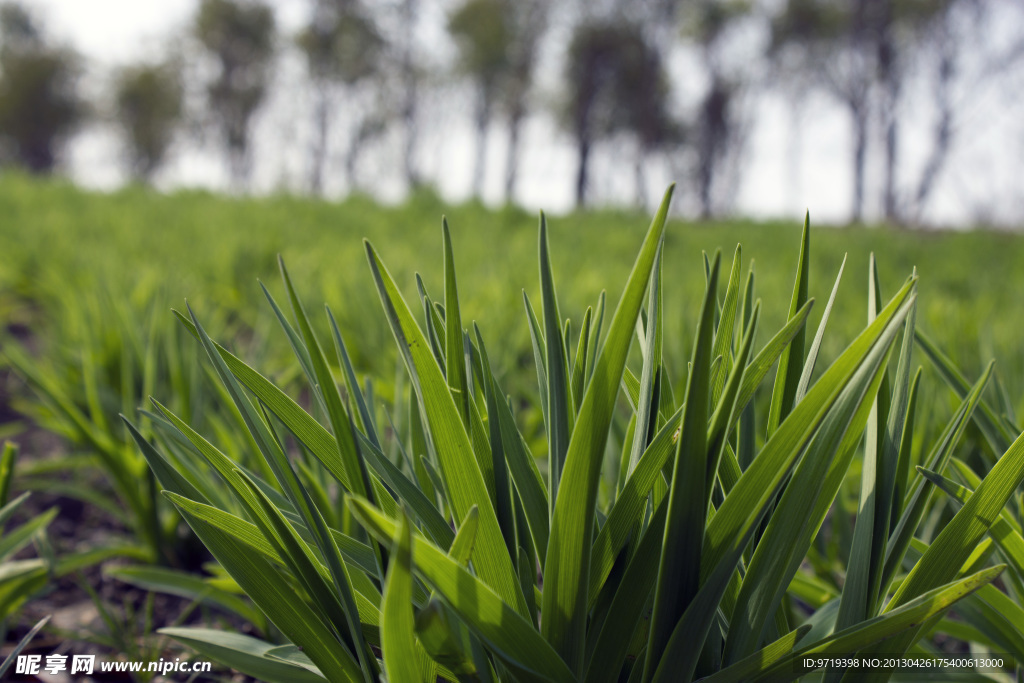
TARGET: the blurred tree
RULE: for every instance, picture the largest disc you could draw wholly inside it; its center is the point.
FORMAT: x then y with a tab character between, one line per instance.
482	32
343	49
529	19
959	71
411	74
616	83
39	103
861	52
497	41
239	35
707	24
148	99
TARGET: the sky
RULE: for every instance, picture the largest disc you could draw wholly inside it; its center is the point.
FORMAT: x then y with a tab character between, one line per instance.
795	161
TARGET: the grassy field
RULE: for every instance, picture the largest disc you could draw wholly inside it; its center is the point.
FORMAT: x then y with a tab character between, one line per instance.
69	253
88	281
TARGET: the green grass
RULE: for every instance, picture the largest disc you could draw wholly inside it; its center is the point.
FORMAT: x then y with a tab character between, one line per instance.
676	566
152	251
707	556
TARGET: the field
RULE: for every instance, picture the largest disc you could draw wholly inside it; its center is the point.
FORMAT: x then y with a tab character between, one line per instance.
88	281
68	253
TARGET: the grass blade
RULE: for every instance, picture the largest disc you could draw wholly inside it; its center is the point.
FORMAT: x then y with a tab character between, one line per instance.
242	653
508	633
453	346
652	341
812	354
558	424
958	539
397	634
463	479
746	504
276	598
564	607
724	333
787	378
679	564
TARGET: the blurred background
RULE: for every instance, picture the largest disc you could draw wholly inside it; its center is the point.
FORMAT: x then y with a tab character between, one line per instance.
902	111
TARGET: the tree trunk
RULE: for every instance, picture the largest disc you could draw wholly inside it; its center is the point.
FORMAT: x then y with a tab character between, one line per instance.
891	205
512	160
943	130
640	179
794	152
860	144
889	75
318	152
411	79
583	153
483	118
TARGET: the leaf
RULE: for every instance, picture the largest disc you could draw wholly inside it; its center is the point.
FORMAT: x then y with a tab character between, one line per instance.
558	411
241	653
456	369
791	362
679	563
355	467
578	376
442	644
858	636
321	443
275	597
995	433
510	636
633	497
799	514
900	539
528	481
464	482
958	539
167	475
8	510
22	644
760	660
502	484
539	355
724	333
249	535
739	513
16	539
652	362
861	591
628	604
1002	530
812	354
564	606
183	584
7	459
337	606
352	384
595	335
398	639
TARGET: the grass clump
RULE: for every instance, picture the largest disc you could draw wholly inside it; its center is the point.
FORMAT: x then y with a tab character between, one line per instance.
678	534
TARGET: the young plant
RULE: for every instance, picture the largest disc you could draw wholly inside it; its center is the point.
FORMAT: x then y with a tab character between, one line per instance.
112	360
459	559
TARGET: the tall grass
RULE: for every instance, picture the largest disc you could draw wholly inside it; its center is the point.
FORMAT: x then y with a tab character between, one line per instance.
691	536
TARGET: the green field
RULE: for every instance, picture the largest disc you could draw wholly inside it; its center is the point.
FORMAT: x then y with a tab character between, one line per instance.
87	284
65	250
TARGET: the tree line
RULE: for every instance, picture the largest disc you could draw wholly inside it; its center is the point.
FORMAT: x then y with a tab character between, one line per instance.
660	81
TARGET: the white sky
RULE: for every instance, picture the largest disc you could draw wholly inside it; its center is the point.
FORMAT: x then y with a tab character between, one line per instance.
982	176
